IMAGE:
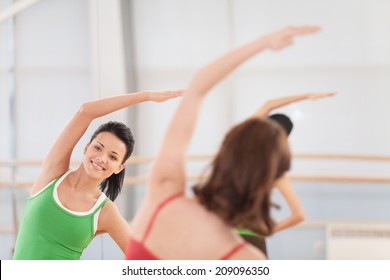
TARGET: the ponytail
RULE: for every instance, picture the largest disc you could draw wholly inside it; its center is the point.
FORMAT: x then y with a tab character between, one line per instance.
112	186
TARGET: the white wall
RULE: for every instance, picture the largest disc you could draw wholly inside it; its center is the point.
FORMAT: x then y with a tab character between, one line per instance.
172	39
67	52
4	89
53	72
349	56
72	51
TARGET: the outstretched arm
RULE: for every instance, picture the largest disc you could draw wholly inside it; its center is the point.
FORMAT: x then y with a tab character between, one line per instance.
296	208
168	172
57	160
280	102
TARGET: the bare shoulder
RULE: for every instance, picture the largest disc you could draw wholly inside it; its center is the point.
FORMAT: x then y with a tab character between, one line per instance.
109	216
112	222
109	210
157	192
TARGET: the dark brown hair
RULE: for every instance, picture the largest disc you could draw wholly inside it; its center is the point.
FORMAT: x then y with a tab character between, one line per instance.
112	185
253	155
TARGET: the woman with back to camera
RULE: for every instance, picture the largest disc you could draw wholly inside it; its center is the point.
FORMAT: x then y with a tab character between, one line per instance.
67	208
283	184
253	155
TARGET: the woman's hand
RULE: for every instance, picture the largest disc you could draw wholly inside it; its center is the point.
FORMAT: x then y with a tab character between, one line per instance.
285	37
161	96
315	96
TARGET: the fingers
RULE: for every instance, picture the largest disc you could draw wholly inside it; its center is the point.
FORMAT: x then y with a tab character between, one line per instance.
301	30
176	93
322	95
285	37
172	94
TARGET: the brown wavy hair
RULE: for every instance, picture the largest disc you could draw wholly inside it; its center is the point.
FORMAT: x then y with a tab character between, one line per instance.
253	155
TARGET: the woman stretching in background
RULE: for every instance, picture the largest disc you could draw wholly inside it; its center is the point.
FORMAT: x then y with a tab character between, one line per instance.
253	156
283	184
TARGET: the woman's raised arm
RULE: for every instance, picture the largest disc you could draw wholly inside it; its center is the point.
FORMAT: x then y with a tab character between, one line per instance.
168	173
57	160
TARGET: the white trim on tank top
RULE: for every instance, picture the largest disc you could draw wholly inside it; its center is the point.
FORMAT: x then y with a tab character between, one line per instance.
101	198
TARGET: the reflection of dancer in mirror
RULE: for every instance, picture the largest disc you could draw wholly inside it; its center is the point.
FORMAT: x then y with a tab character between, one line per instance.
67	209
283	184
253	155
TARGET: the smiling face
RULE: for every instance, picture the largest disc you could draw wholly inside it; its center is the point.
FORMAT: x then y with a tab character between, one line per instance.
104	156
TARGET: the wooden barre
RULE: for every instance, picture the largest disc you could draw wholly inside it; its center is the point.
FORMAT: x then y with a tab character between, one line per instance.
6	229
342	179
342	157
148	159
16	8
130	161
309	224
141	180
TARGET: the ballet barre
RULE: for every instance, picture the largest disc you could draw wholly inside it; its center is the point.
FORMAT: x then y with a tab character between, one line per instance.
142	180
148	159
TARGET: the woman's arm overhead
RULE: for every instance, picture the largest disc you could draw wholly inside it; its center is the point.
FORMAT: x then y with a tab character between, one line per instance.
57	160
280	102
168	174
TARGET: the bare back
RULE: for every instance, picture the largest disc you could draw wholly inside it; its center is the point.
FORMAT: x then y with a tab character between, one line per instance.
184	229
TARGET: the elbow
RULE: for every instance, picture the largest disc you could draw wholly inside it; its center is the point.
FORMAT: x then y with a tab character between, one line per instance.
201	84
269	106
85	111
300	217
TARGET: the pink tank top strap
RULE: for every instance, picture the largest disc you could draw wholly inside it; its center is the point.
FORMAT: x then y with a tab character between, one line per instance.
233	251
155	213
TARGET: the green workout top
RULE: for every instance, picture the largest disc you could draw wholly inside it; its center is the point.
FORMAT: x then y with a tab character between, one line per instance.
49	231
243	231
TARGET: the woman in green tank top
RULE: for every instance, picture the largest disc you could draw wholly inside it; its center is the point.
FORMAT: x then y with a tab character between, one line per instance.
66	209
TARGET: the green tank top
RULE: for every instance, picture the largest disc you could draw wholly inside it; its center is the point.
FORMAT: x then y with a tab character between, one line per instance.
243	231
49	231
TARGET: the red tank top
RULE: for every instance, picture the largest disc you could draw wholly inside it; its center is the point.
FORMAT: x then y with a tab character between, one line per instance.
136	250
